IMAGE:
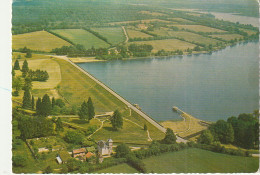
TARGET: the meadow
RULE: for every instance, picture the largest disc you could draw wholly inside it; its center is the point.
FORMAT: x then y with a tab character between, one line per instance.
199	28
40	40
114	35
167	45
200	161
228	37
83	37
137	34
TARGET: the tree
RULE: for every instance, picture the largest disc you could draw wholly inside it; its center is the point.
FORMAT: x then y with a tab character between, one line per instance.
122	150
38	106
222	131
59	103
46	105
16	65
170	137
116	120
27	103
59	125
91	109
27	84
75	137
53	102
17	84
48	170
28	54
33	103
145	127
25	68
206	137
83	112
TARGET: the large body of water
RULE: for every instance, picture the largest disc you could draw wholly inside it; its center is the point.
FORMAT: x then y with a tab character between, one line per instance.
208	86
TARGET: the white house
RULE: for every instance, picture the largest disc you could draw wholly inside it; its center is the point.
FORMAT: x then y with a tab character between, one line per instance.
105	148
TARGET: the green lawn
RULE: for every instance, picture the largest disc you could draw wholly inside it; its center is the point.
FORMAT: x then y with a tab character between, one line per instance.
122	168
114	35
200	161
83	37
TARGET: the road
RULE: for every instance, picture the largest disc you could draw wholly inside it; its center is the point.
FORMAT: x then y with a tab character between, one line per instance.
141	113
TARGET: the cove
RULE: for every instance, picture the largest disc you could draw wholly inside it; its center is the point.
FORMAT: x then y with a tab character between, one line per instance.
208	86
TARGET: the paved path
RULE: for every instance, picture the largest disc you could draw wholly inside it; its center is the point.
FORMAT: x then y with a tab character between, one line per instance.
101	126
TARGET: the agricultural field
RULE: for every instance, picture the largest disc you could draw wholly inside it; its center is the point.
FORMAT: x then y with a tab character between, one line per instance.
167	45
228	37
122	168
152	13
137	34
249	32
181	20
192	37
140	21
40	41
199	28
114	35
83	37
200	161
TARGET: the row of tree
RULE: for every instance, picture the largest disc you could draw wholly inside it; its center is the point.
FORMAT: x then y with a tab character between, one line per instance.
242	131
87	110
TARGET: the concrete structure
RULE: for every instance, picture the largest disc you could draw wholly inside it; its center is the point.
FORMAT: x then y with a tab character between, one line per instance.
105	148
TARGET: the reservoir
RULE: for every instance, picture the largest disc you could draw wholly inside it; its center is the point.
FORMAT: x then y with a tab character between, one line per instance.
208	86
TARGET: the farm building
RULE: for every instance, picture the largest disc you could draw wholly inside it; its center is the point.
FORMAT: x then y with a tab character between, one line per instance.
105	148
79	153
63	157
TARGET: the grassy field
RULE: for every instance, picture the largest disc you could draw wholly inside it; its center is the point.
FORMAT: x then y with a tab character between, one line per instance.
188	36
152	13
41	40
249	32
141	21
180	20
199	28
114	35
122	168
200	161
228	37
167	45
137	34
83	37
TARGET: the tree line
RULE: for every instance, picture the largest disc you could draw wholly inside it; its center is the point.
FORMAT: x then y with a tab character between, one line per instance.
242	131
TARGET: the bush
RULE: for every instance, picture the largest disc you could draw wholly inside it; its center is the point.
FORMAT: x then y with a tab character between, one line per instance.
19	161
75	137
136	163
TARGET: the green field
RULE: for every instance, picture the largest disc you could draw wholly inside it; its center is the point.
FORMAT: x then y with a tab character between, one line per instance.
40	40
137	34
114	35
199	28
83	37
200	161
122	168
167	45
228	37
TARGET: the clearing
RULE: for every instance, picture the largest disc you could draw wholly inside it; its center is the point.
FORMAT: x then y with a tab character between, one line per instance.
83	37
167	45
199	28
114	35
200	161
137	34
40	40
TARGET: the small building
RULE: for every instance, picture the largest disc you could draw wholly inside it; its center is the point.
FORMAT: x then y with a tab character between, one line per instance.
63	157
105	148
79	153
89	155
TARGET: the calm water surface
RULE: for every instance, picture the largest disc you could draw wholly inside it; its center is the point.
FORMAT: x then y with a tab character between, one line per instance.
208	86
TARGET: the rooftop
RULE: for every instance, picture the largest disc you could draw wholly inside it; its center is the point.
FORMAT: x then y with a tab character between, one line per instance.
80	150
